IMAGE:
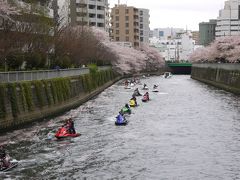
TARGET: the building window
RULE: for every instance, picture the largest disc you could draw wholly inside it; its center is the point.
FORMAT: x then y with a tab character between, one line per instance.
117	25
126	11
127	38
127	31
141	13
141	39
91	6
116	11
117	18
117	38
127	18
127	24
117	31
141	32
141	19
141	26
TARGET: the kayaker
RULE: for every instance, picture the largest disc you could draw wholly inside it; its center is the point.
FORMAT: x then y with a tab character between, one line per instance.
136	92
146	95
120	118
145	86
135	99
4	158
71	128
126	109
155	86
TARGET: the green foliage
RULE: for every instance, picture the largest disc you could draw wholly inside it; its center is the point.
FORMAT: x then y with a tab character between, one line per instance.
62	61
60	88
28	95
39	92
2	101
48	92
12	95
93	68
35	60
23	97
14	61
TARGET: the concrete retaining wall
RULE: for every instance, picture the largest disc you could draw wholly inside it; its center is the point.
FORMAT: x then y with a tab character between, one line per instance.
224	76
22	103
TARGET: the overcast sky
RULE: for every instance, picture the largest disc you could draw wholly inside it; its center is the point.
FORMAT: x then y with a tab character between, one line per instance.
177	13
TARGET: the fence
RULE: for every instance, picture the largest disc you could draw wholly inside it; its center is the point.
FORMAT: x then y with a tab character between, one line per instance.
14	76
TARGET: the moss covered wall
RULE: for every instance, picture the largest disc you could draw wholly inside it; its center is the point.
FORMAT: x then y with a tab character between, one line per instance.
25	102
224	76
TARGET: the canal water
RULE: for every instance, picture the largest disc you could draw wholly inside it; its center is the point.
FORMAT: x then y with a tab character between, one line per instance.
188	130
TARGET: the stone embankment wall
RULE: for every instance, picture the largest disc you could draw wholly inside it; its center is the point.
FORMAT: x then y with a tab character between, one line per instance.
224	76
25	102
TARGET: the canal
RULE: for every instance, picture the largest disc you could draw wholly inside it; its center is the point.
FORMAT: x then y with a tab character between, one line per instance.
188	130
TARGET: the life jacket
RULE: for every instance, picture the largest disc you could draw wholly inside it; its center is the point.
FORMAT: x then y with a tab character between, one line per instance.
125	109
132	102
120	118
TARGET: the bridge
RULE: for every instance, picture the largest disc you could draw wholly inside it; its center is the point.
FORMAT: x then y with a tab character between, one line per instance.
179	68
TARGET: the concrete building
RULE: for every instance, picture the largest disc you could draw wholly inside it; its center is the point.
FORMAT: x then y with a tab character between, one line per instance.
130	24
207	32
228	21
90	13
144	25
195	36
177	48
166	33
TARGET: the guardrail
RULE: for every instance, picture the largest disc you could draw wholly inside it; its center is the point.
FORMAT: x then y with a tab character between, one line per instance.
15	76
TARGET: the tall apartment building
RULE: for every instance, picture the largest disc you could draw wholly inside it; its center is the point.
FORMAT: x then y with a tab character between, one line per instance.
130	24
228	22
195	36
144	25
90	13
207	32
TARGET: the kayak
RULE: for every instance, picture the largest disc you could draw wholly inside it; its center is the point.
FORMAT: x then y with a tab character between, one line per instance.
124	123
155	90
62	133
12	165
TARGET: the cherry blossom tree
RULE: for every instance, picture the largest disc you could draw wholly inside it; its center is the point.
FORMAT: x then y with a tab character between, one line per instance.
129	60
6	10
224	49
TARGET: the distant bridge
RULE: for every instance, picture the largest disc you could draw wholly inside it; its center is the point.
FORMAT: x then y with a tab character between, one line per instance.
179	68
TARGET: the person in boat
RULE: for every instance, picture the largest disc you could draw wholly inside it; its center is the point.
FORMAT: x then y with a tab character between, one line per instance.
126	82
71	128
4	158
155	86
134	99
146	96
136	92
126	109
120	118
145	86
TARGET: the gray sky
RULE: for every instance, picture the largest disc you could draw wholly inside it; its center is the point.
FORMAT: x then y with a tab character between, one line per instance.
177	13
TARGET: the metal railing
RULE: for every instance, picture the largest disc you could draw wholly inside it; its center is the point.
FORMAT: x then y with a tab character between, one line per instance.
15	76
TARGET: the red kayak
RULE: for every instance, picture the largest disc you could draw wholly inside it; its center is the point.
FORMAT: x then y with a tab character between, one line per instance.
62	133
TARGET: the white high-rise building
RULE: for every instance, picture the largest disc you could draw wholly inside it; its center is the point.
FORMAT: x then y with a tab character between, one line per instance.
144	25
90	13
177	48
166	33
228	22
